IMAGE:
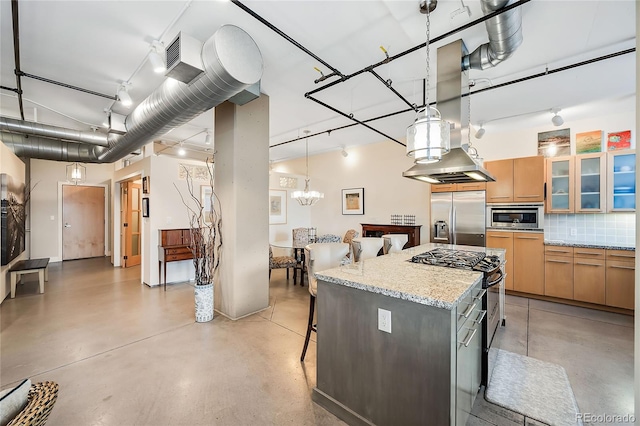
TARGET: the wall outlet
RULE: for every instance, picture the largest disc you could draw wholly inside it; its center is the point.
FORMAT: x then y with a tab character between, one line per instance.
384	320
574	232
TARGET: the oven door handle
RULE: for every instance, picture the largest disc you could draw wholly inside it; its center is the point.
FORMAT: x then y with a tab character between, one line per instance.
502	276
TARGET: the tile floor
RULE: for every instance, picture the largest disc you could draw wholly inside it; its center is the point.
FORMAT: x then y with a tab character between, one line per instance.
127	354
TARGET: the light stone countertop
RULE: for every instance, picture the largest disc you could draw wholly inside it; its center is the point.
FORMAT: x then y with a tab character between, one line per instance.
392	275
587	245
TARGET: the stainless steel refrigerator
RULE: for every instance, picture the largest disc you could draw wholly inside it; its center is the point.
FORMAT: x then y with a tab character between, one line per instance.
458	218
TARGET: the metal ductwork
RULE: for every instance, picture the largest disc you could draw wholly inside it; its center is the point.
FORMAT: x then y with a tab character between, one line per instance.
50	149
456	166
505	35
232	62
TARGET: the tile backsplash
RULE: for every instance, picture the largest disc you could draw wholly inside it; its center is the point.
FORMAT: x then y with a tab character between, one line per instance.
606	229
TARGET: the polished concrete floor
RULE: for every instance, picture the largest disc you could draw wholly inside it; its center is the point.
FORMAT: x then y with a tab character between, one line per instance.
127	354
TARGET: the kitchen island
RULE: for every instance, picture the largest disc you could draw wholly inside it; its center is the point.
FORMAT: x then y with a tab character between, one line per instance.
427	369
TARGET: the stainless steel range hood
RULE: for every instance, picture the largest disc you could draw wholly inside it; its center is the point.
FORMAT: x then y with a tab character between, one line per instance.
456	166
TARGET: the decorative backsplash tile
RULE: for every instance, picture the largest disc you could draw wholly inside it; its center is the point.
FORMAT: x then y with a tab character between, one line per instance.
614	229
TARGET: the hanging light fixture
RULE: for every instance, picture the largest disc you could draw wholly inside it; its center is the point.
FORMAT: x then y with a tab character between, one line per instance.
428	138
76	173
307	197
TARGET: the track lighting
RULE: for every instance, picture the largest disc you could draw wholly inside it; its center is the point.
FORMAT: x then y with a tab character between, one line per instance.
207	139
107	118
481	131
123	95
344	152
556	119
156	57
181	151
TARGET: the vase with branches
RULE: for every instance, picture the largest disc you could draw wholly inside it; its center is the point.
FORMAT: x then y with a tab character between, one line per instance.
205	221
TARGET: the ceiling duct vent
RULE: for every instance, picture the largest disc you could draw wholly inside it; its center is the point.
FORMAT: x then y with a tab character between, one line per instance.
183	56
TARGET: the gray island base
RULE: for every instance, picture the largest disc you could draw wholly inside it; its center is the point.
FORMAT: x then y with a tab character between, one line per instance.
427	370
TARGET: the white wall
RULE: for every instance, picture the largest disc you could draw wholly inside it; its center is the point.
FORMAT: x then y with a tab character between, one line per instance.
297	216
13	166
45	199
378	169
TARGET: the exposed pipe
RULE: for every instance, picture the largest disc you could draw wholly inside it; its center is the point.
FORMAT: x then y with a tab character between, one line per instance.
68	86
37	129
50	149
16	53
505	36
232	62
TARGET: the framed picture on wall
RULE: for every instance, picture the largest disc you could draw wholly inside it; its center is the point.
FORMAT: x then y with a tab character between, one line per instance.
353	201
145	184
206	199
145	207
277	206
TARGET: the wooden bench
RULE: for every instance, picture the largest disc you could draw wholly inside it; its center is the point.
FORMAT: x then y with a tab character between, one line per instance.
41	266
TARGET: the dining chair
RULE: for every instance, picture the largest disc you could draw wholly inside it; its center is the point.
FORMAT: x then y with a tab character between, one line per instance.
319	257
279	262
366	247
300	239
394	243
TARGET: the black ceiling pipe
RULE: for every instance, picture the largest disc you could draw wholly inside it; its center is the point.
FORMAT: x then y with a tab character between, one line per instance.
68	86
16	53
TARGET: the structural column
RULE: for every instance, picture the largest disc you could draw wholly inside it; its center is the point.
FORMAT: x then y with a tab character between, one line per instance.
242	185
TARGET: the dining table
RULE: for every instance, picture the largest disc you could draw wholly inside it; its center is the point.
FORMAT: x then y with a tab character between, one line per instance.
298	254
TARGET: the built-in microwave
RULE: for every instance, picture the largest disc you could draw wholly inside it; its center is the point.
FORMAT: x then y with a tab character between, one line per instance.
512	216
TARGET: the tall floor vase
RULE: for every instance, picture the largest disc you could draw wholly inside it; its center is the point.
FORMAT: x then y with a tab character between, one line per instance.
204	302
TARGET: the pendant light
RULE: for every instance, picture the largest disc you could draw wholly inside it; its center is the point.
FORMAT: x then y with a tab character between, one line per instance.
428	138
307	197
76	173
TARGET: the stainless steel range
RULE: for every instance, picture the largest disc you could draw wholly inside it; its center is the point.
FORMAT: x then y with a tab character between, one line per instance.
492	300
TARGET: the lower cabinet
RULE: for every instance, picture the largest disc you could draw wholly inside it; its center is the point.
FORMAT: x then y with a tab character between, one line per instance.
558	272
503	240
589	275
528	262
620	279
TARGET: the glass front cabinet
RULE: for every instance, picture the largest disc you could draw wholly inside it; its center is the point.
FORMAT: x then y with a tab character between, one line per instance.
560	181
621	175
590	186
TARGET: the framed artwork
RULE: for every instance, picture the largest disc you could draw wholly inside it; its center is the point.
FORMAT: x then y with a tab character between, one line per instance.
145	185
206	194
277	206
619	140
556	143
145	207
12	220
589	142
353	201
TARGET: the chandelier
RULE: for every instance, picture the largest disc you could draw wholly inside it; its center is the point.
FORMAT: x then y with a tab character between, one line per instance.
428	138
307	197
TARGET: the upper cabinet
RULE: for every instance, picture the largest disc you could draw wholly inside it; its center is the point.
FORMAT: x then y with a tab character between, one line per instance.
621	175
453	187
560	184
590	183
518	180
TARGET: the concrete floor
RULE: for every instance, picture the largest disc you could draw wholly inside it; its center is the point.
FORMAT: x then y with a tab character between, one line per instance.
127	354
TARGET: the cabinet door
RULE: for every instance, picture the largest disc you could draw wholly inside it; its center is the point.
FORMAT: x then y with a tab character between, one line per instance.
528	179
558	276
588	275
560	182
621	178
620	278
528	262
445	187
471	186
500	191
590	183
503	240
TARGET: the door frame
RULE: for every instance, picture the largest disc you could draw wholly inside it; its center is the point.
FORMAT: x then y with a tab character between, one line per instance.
107	248
116	255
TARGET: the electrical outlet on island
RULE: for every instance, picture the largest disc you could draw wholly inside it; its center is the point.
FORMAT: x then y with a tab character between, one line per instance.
384	320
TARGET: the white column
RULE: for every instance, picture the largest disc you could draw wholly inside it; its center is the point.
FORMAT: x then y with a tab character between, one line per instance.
242	185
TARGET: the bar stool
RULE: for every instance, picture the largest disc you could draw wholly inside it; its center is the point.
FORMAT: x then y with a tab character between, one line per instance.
366	247
394	243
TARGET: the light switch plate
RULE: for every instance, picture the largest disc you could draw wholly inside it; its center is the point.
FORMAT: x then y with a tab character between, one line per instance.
384	320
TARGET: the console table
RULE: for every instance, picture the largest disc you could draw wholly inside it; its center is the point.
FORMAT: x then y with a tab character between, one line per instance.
413	231
174	246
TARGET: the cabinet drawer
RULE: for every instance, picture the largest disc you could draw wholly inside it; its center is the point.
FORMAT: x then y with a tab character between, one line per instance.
558	251
588	253
624	255
447	187
182	256
178	250
472	186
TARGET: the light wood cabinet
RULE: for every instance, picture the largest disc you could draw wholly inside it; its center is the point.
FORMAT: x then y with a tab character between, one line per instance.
444	187
528	259
589	275
590	185
503	240
500	191
528	179
620	279
621	181
558	272
453	187
560	185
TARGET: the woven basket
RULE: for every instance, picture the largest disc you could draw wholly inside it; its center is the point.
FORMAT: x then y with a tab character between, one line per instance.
40	402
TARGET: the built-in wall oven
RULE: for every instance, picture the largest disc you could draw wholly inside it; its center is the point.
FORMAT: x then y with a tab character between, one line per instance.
515	216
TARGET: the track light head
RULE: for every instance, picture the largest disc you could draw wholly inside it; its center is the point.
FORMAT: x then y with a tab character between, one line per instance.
123	95
207	139
556	119
344	152
156	57
480	133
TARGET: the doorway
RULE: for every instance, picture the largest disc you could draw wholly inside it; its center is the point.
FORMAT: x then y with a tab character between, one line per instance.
130	222
83	218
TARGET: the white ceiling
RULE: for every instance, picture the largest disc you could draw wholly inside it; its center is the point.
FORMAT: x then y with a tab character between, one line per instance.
97	45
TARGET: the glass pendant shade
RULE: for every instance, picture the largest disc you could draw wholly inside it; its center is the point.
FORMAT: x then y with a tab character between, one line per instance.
307	197
76	173
428	138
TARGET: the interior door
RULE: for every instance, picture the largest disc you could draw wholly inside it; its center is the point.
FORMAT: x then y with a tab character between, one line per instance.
131	223
83	221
